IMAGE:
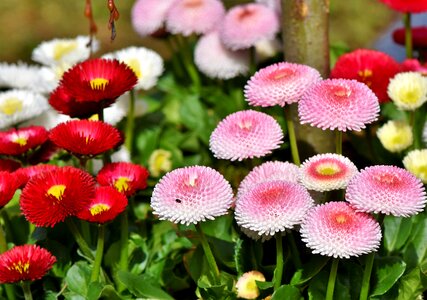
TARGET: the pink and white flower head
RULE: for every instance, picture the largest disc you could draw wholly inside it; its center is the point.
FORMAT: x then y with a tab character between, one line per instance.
228	64
194	16
336	229
327	172
245	134
148	16
191	195
269	171
279	84
340	104
246	24
272	206
388	190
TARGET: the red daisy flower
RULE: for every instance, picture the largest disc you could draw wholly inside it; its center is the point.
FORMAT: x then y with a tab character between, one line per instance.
125	177
407	6
107	204
25	174
50	197
25	263
84	137
19	141
8	186
419	36
373	68
98	80
9	165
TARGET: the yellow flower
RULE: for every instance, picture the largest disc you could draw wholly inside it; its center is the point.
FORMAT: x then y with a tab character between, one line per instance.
395	136
159	162
246	285
408	90
416	163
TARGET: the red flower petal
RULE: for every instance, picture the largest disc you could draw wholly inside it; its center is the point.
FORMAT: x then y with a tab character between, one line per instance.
19	141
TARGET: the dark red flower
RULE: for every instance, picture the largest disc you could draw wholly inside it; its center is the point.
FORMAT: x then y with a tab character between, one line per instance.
407	6
9	165
8	187
98	80
85	137
19	141
25	263
373	68
125	177
50	197
24	174
107	204
419	37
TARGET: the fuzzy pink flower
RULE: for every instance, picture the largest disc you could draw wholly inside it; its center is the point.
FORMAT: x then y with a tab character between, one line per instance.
148	16
228	64
246	24
269	171
327	172
272	206
245	134
280	84
340	104
194	16
190	195
387	189
336	229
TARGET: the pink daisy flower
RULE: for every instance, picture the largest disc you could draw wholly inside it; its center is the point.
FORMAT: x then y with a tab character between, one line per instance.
246	24
272	206
386	189
194	16
190	195
245	134
19	141
340	104
228	64
148	16
280	84
336	229
269	171
327	172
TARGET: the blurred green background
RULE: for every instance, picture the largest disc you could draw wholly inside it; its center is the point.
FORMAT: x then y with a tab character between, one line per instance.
26	23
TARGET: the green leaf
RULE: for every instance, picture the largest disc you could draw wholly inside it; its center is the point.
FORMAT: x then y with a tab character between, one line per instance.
94	290
309	270
390	111
286	292
396	232
143	286
220	228
412	285
78	278
146	143
387	272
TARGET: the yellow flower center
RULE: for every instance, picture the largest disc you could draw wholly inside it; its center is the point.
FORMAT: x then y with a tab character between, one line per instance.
20	140
20	267
10	106
245	124
122	184
56	191
99	208
410	96
365	75
134	64
99	83
341	218
63	48
192	180
327	169
341	91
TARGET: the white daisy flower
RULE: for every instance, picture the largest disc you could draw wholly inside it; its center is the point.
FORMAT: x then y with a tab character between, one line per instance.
19	76
48	119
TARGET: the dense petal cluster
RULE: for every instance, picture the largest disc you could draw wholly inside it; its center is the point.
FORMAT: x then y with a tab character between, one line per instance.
415	162
8	186
190	195
386	189
19	141
340	104
408	90
19	76
148	16
280	84
25	174
395	136
407	6
246	285
25	263
336	229
245	134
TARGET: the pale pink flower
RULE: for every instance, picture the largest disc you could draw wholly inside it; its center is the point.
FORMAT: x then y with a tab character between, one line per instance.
336	229
279	84
245	134
386	189
190	195
340	104
148	16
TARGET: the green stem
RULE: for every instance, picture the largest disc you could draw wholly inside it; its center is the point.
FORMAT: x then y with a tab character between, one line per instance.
279	261
84	247
331	280
188	60
415	133
294	251
124	236
367	276
99	253
408	34
252	63
338	141
27	291
130	123
292	136
10	290
86	231
209	255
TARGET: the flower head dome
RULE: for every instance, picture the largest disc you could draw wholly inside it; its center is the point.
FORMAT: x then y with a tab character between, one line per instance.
25	263
408	90
269	171
190	195
25	174
19	141
327	172
19	76
125	177
373	68
280	84
194	16
386	189
160	161
246	24
50	197
148	16
246	285
228	64
272	206
8	186
84	137
407	6
9	165
395	136
245	134
336	229
415	162
107	204
340	104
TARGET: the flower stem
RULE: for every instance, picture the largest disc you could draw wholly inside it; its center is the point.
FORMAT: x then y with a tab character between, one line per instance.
124	235
367	276
209	255
294	251
188	60
130	123
292	136
10	291
331	280
84	247
279	261
338	141
408	34
27	291
94	277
